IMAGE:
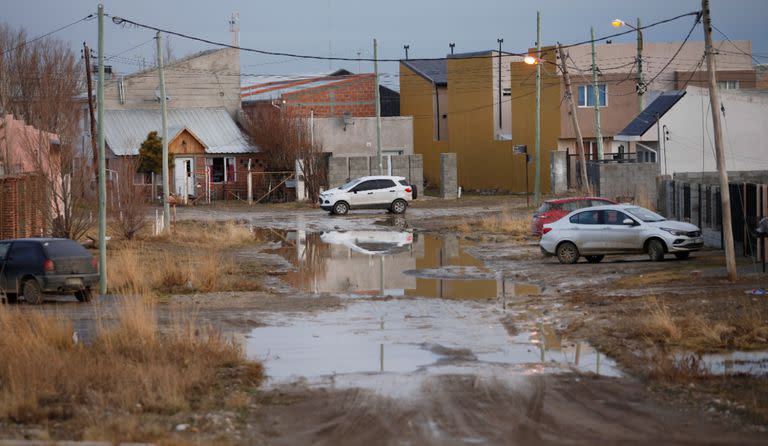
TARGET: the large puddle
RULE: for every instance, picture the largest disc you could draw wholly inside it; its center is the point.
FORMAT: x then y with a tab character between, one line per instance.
427	336
391	263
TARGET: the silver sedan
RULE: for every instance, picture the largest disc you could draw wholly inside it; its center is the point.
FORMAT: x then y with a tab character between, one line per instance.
618	229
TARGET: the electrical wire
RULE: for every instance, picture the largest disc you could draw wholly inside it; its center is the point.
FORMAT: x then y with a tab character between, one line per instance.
122	21
27	42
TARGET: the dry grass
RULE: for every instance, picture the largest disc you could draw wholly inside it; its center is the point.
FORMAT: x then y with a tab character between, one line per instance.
130	369
194	259
743	328
677	369
502	223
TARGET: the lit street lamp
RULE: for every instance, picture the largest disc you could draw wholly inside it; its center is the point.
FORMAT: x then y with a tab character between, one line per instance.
640	87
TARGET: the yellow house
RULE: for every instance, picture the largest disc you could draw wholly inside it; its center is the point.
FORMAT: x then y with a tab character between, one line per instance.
456	108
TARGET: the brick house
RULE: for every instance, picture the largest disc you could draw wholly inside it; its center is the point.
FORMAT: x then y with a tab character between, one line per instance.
212	157
24	153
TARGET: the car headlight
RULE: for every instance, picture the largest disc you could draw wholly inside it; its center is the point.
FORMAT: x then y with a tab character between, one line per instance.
674	231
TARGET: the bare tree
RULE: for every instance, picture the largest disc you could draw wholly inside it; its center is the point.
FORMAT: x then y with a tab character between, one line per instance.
284	138
40	82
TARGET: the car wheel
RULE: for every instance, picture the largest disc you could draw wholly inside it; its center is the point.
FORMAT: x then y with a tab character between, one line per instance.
32	292
682	255
567	252
85	295
594	259
655	251
340	208
398	206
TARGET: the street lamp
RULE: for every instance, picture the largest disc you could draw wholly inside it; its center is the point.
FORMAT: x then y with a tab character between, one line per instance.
530	60
641	87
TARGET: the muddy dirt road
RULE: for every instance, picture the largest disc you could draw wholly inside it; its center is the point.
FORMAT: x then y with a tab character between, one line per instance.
400	330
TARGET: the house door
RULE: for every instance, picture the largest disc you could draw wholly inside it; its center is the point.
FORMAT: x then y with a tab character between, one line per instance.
184	178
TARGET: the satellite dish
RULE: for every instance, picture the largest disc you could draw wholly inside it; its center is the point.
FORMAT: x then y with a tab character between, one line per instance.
159	96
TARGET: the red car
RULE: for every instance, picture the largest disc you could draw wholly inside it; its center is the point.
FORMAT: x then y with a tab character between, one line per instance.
553	210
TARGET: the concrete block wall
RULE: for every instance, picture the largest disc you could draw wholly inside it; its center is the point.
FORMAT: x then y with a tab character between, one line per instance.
635	181
558	172
341	168
449	185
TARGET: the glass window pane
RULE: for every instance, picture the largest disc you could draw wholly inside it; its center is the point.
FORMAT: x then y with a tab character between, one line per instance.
602	92
582	95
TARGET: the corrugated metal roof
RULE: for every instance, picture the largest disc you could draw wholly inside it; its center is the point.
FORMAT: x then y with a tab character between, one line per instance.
647	118
125	130
434	70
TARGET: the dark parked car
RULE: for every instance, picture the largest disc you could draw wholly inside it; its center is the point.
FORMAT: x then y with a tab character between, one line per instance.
553	210
32	266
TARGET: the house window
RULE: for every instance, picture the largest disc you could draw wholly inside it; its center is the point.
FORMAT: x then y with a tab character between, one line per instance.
587	97
223	170
728	85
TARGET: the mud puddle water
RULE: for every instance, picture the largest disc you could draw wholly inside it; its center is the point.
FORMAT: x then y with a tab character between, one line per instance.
390	263
422	337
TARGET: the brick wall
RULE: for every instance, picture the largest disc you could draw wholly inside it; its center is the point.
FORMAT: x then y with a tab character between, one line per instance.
21	210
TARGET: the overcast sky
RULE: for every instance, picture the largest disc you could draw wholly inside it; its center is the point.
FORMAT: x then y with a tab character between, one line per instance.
346	27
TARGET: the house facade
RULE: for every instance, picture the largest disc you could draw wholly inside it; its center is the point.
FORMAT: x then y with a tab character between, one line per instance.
211	156
25	154
619	102
678	126
467	105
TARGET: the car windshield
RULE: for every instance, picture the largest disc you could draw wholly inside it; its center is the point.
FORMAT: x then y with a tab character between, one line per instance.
645	215
348	185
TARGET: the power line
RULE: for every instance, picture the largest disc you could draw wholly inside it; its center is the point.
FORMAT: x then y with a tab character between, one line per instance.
121	21
27	42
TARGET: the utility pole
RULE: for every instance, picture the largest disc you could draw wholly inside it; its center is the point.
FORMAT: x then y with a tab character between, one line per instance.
596	98
714	98
378	105
452	45
585	186
94	143
102	163
500	122
537	175
164	111
640	82
405	47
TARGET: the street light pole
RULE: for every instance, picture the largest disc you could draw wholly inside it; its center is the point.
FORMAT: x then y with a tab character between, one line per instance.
537	160
640	87
500	122
596	99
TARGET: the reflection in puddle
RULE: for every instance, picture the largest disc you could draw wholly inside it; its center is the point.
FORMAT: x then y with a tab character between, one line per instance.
415	335
391	263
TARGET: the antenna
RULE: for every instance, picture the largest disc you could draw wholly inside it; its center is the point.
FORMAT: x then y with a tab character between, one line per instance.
234	28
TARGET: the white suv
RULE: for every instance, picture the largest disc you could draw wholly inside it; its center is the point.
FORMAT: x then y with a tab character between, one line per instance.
374	192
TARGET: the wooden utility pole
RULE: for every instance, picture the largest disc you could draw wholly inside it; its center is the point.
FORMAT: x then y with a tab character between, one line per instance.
585	186
537	168
88	72
714	99
596	98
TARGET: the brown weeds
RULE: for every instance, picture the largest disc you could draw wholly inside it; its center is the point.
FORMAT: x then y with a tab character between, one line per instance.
743	328
502	223
130	368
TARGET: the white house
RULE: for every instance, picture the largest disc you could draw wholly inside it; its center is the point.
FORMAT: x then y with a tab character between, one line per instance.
682	121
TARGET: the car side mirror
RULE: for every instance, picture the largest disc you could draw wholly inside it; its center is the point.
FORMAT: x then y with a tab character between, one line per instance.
628	221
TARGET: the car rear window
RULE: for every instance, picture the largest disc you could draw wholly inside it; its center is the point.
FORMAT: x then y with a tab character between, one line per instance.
383	184
544	208
404	182
64	248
